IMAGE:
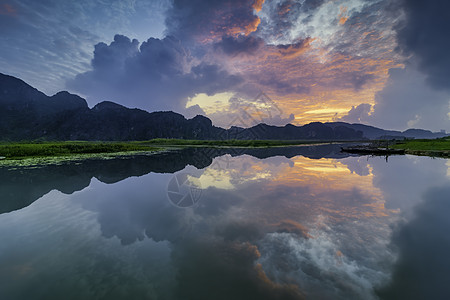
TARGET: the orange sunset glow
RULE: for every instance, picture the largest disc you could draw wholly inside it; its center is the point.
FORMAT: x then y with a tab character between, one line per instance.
224	149
353	61
320	178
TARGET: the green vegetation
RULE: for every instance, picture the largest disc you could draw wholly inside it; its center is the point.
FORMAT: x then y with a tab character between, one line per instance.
42	149
436	147
436	144
67	148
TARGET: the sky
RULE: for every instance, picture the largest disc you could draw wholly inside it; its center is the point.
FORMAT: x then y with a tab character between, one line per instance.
379	62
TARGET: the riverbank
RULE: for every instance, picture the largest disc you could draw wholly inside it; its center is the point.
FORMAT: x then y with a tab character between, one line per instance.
53	149
68	150
23	150
434	148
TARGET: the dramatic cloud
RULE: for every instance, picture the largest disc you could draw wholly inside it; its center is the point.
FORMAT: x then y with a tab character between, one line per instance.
357	114
317	60
160	74
405	102
238	235
207	21
424	34
242	44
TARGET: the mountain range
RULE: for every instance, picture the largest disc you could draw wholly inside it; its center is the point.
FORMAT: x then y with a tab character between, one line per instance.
28	114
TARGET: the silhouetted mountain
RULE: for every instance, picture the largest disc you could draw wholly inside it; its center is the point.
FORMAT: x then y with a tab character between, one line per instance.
311	131
28	114
371	132
21	186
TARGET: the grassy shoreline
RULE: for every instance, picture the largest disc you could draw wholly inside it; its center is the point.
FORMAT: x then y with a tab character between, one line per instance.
422	147
53	149
22	150
30	149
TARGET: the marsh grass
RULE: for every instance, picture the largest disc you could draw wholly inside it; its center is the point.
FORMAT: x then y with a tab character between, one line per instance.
47	149
43	149
442	144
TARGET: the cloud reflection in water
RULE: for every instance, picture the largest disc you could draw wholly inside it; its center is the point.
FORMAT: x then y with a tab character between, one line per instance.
275	228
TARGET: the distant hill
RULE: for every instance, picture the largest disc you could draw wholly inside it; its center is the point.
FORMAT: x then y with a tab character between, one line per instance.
28	114
371	132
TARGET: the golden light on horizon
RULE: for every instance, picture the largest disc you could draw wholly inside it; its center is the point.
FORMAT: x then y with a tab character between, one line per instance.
324	176
328	185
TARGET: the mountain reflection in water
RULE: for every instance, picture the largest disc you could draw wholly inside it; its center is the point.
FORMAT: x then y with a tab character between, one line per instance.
280	223
23	185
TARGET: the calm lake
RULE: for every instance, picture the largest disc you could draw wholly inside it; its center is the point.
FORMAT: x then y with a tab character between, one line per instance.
283	223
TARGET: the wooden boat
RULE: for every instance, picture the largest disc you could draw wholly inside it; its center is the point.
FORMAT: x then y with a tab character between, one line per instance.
372	150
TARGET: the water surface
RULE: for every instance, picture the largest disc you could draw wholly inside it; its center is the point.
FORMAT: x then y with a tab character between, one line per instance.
285	223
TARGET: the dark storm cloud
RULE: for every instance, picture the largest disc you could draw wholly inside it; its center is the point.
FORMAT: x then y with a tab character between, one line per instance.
410	99
357	114
359	80
287	49
405	102
160	74
421	271
236	45
281	84
114	55
202	21
356	79
425	35
212	79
